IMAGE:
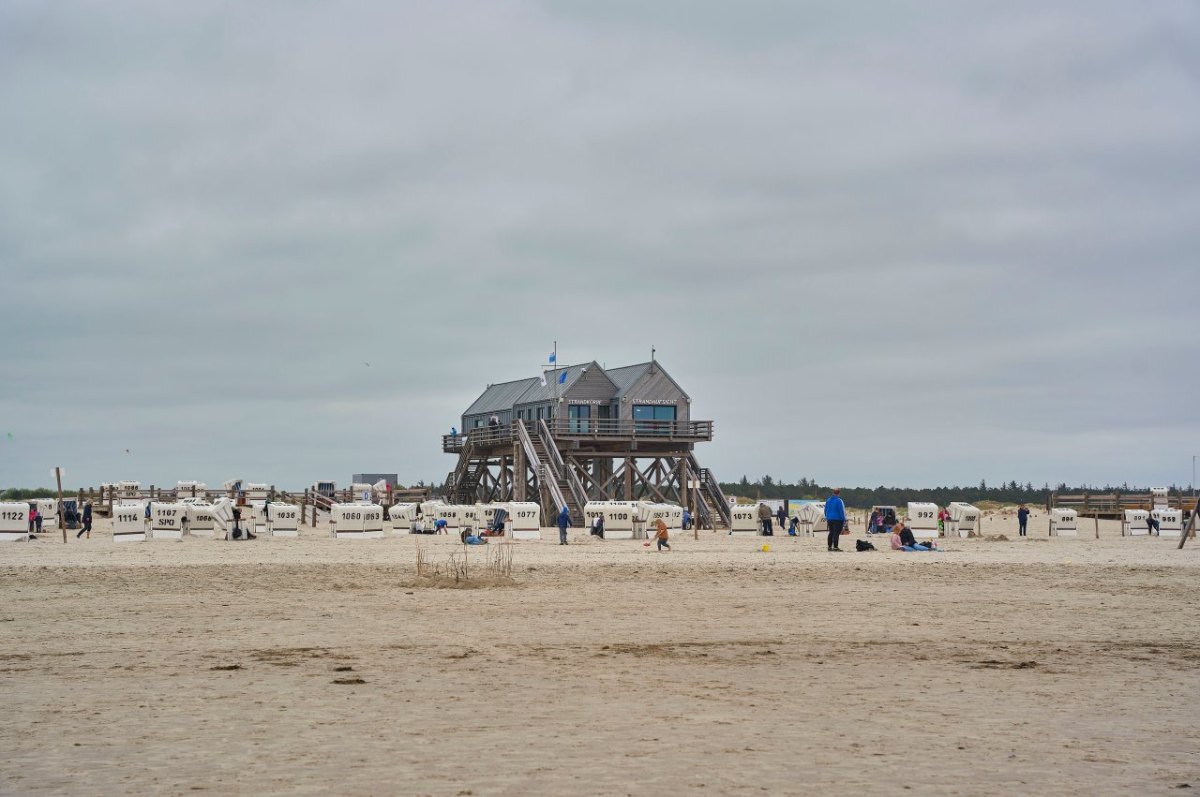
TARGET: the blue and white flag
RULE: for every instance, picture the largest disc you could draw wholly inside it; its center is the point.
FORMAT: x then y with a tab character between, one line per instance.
562	378
553	357
543	378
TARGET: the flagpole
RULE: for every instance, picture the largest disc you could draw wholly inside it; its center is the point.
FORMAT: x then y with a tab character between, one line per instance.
554	409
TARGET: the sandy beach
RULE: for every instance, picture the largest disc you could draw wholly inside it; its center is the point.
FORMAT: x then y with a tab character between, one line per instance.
313	666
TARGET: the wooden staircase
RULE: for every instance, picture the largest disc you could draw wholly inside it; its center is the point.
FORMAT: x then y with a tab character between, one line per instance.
714	508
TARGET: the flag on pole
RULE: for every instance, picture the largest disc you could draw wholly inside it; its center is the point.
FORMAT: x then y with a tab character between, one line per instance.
562	378
553	357
543	378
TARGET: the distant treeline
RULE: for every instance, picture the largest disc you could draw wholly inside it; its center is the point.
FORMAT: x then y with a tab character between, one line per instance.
23	494
865	497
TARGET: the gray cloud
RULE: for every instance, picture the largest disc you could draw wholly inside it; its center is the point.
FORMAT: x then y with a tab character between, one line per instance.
929	243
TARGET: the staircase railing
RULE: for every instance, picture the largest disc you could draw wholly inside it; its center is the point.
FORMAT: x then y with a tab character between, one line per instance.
562	471
468	485
712	488
460	470
550	484
704	515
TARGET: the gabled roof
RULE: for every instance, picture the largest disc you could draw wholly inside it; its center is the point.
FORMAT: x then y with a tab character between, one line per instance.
506	395
503	396
627	376
538	393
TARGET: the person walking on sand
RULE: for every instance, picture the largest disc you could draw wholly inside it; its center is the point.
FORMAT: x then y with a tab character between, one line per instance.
35	521
86	528
781	517
1023	520
835	518
564	520
661	535
764	517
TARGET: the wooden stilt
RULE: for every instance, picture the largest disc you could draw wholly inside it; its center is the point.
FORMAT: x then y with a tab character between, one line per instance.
61	525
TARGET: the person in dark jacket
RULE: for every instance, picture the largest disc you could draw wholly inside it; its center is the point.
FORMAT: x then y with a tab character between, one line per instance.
86	519
781	517
564	520
1023	520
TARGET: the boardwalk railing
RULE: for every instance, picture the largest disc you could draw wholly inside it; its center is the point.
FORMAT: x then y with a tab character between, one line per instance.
1111	503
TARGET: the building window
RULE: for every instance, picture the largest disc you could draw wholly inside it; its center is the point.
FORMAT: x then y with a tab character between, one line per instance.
578	416
653	418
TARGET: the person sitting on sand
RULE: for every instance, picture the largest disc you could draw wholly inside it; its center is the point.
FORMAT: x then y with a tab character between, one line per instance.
468	537
875	524
903	539
661	535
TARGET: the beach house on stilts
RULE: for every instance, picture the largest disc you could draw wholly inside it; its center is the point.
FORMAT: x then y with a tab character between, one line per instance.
584	433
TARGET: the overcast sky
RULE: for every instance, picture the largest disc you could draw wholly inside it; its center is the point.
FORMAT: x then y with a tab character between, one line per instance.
878	243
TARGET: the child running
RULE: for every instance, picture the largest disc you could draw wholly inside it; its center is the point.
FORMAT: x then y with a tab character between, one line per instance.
661	535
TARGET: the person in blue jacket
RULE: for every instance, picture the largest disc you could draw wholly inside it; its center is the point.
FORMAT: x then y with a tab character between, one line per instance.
564	520
835	518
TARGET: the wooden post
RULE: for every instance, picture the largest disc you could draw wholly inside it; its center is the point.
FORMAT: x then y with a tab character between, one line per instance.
1190	530
61	525
683	485
519	481
1096	518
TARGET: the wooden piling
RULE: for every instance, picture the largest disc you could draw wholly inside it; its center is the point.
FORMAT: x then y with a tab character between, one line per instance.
61	524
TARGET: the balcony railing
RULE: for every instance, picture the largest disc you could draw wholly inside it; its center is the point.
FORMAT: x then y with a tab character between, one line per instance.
624	428
586	428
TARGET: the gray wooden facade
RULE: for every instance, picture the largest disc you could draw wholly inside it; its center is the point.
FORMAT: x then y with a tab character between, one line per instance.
644	390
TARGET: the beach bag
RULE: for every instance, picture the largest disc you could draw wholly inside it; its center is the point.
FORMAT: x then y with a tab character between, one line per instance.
863	545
